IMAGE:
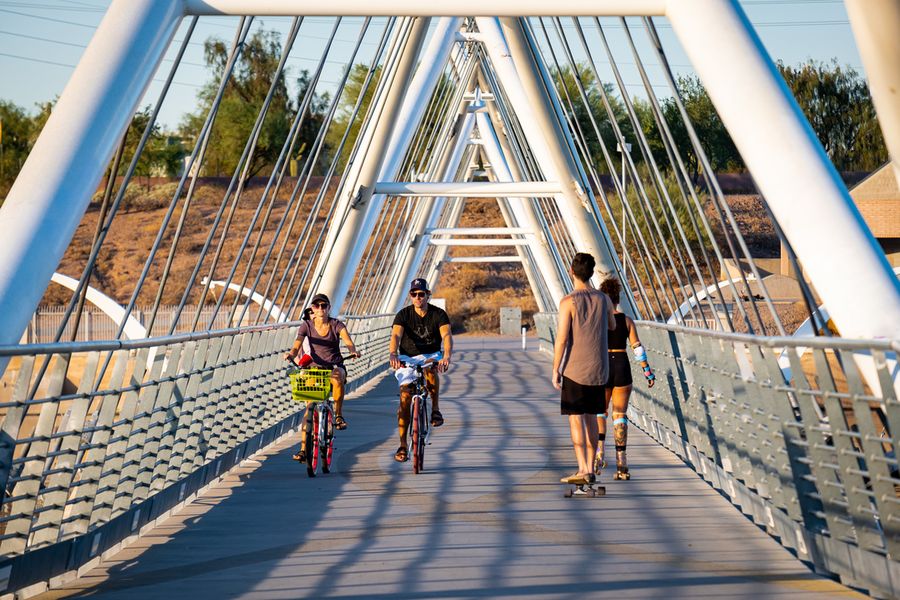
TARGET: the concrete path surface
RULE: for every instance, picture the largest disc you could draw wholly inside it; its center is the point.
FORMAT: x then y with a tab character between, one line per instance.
486	520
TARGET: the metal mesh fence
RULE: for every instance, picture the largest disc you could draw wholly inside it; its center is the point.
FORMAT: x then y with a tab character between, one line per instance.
799	433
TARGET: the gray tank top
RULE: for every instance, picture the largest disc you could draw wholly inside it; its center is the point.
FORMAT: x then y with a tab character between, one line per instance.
586	360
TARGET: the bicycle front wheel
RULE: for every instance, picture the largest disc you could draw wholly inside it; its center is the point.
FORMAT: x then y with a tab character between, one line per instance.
312	440
328	440
418	434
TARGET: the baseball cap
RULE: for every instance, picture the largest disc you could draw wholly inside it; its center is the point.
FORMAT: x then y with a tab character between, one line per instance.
320	298
419	284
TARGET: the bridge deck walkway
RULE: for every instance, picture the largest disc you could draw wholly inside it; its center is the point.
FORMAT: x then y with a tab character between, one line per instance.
487	519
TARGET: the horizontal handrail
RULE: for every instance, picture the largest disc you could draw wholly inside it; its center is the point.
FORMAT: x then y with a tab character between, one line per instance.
112	345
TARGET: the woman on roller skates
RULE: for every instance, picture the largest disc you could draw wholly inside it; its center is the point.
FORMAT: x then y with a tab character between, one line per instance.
619	384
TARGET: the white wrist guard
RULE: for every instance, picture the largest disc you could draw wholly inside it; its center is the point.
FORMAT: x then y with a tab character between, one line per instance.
640	354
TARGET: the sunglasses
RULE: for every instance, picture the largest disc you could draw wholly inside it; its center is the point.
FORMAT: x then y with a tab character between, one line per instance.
321	304
418	294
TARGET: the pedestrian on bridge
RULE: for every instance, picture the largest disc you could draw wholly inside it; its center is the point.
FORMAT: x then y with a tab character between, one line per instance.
581	363
324	334
619	384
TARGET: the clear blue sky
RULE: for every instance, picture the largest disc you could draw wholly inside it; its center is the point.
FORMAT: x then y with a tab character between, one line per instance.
42	40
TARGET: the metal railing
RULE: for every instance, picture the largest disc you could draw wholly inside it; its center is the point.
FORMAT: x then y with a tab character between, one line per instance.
119	432
96	325
791	431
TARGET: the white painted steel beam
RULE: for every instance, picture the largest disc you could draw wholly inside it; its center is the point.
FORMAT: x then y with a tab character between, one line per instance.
390	8
440	50
522	80
480	231
484	259
49	197
523	212
876	27
805	192
470	189
476	242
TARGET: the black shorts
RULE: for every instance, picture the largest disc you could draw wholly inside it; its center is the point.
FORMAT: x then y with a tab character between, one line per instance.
577	399
619	370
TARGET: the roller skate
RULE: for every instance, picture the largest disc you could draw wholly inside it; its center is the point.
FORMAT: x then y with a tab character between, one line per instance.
622	473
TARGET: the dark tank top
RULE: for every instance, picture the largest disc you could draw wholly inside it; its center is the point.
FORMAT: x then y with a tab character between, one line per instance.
618	338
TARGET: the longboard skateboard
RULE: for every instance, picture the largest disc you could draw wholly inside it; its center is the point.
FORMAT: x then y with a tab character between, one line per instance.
584	490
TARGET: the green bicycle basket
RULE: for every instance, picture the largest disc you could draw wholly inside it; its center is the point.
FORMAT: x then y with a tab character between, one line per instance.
310	385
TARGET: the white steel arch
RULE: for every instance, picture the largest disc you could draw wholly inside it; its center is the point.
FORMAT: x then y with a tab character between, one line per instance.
133	329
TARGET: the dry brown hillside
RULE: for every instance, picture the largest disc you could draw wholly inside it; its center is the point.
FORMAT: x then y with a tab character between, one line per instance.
474	292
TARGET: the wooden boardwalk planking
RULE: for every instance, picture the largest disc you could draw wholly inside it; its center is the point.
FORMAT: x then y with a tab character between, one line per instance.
487	519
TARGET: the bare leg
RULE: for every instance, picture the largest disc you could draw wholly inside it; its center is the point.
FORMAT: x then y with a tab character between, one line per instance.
599	461
338	377
620	425
580	442
433	385
403	412
302	434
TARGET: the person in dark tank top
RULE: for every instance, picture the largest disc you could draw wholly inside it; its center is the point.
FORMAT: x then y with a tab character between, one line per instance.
580	362
619	385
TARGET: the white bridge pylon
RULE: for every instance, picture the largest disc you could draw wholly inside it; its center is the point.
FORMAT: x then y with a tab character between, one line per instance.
508	126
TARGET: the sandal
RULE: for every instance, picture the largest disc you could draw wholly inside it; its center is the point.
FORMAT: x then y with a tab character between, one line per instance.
437	419
340	422
402	454
300	456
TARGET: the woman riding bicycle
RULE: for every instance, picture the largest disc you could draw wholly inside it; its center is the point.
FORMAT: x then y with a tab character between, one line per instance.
324	335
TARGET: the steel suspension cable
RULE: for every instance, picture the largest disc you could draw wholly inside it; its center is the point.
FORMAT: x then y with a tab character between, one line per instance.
293	291
675	159
576	76
660	187
282	165
723	210
644	204
393	52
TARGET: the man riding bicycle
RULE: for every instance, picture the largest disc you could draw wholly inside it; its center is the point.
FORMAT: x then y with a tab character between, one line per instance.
420	330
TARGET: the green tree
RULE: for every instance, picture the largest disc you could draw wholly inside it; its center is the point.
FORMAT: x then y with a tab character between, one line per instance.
242	100
714	138
15	142
356	81
567	84
838	105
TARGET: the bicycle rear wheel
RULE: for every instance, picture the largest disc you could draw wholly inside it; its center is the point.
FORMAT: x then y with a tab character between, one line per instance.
312	440
328	438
